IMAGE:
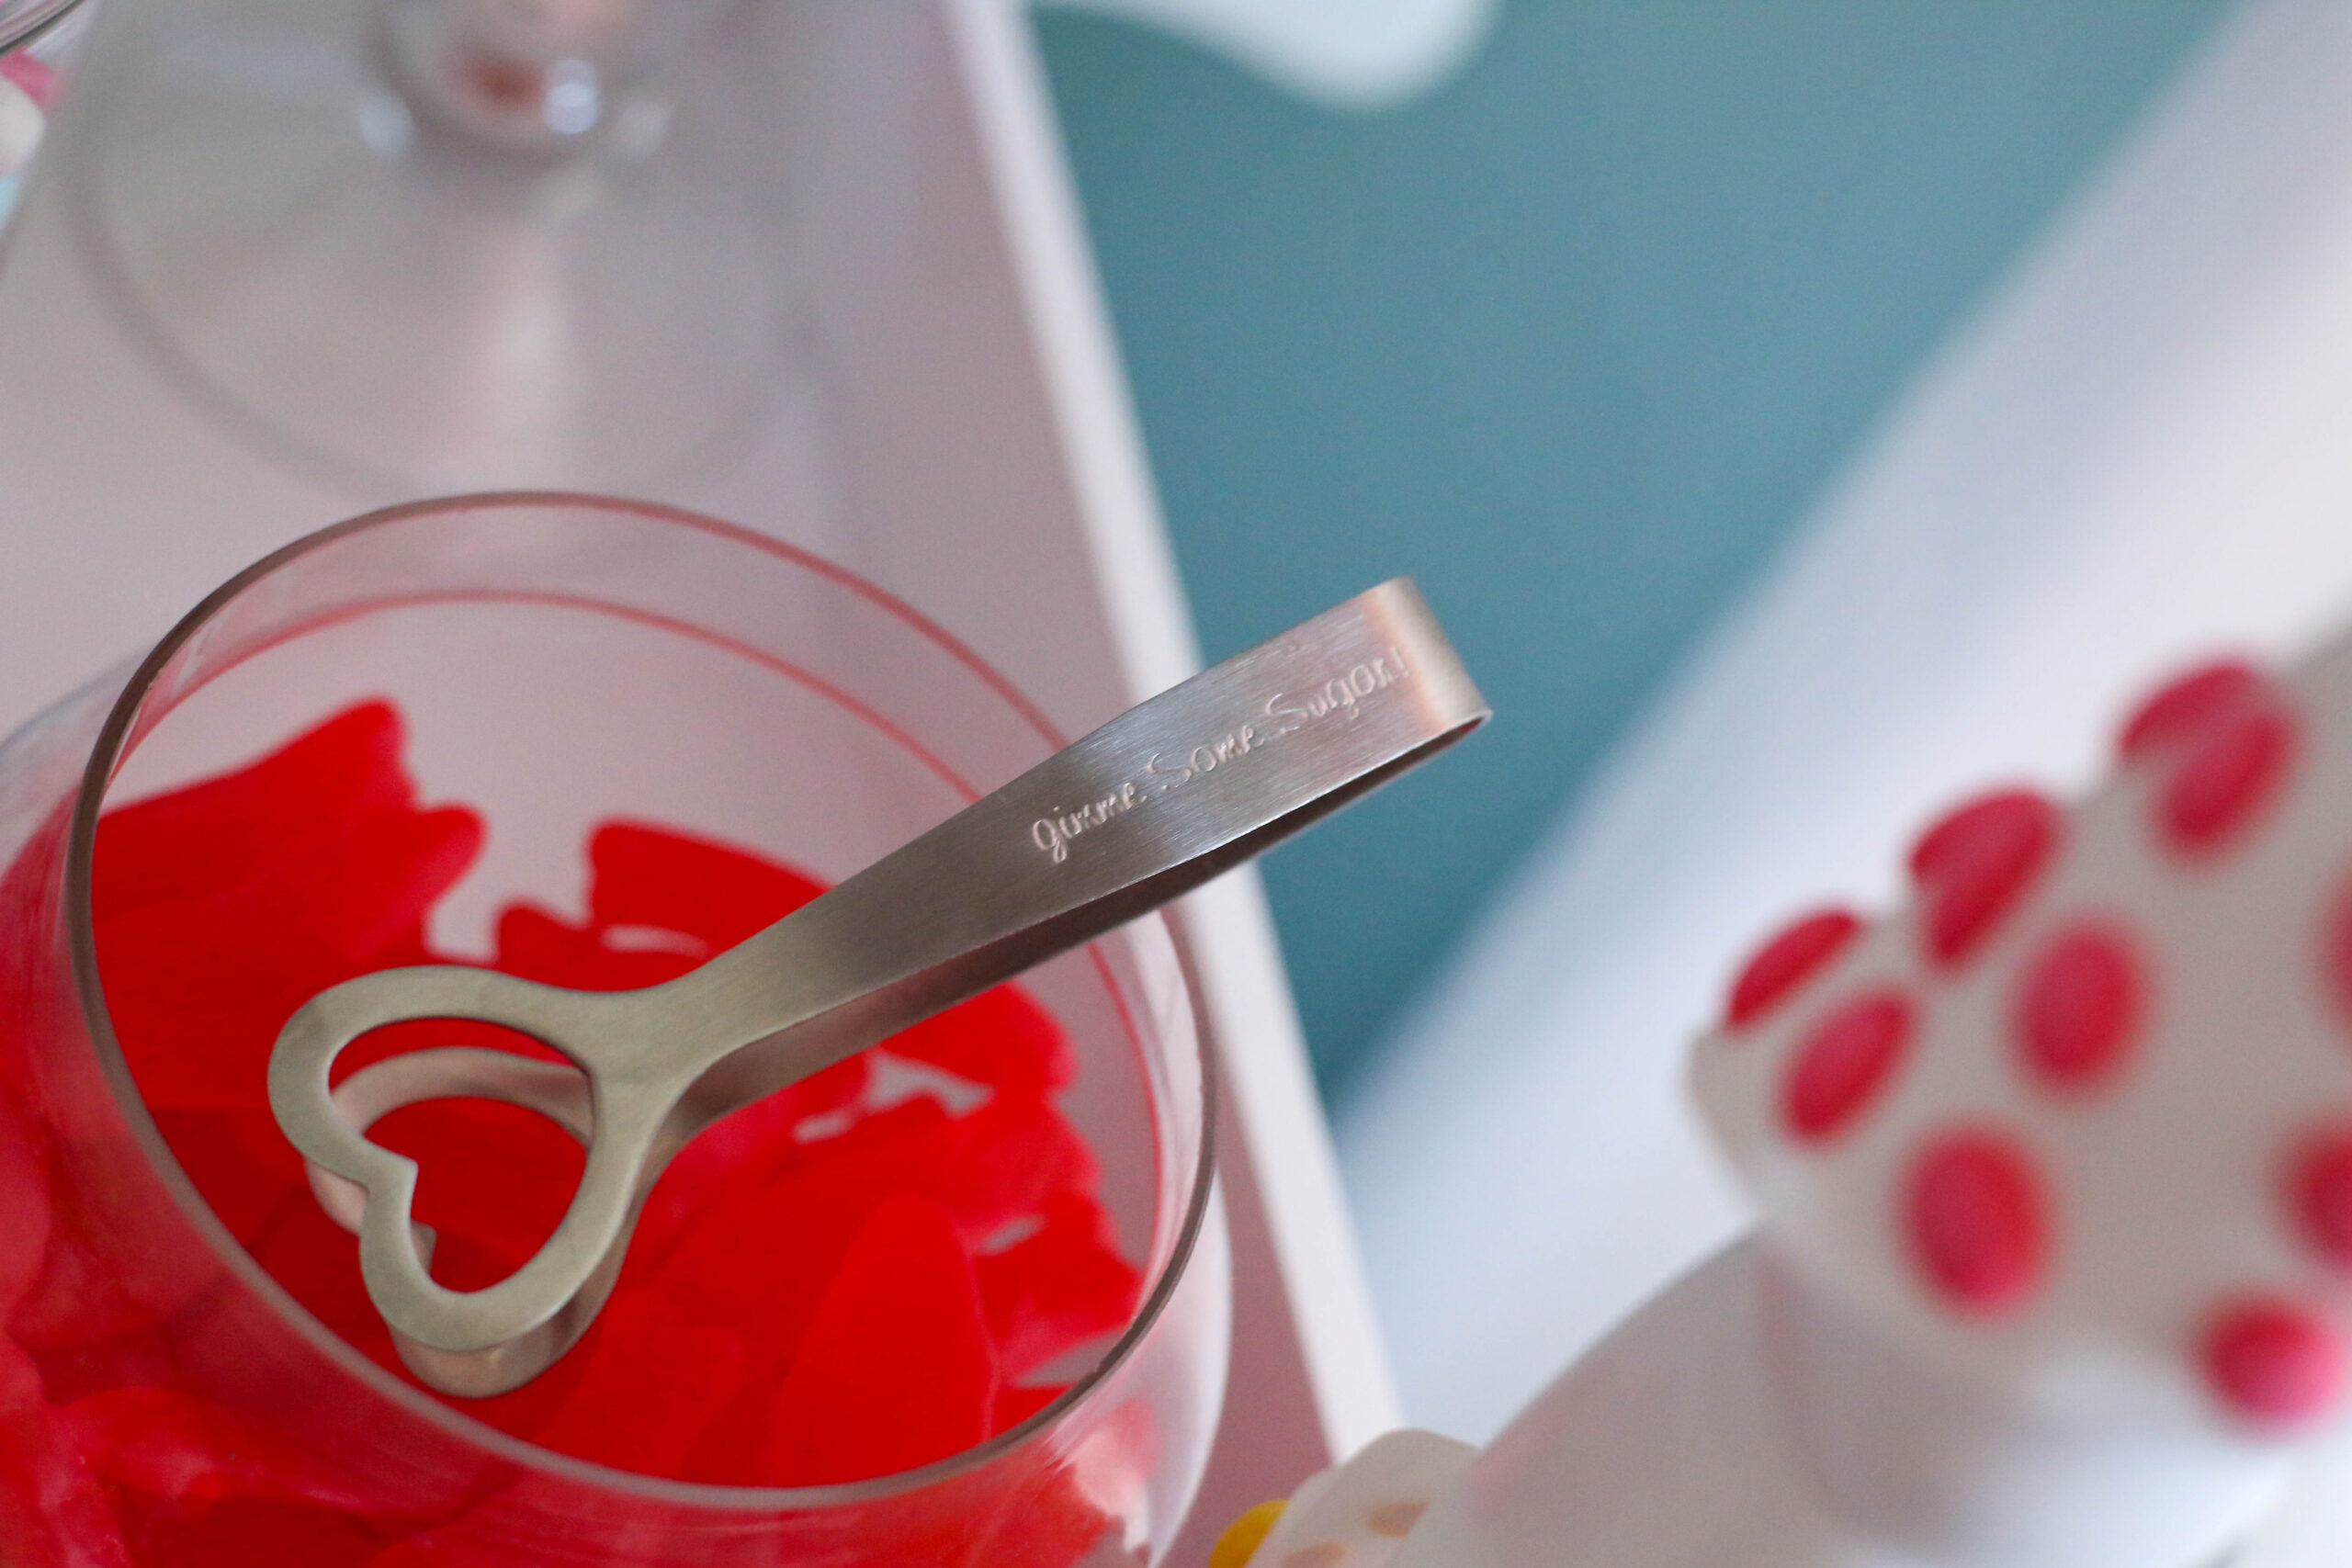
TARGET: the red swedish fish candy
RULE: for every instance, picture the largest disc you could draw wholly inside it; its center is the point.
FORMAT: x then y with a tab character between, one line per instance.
53	1513
1000	1038
459	1544
1057	1289
524	1411
24	1205
199	988
178	1447
239	1160
492	1181
241	1533
314	1258
765	1257
653	1388
1014	1405
749	1146
1008	1158
658	877
896	1371
201	840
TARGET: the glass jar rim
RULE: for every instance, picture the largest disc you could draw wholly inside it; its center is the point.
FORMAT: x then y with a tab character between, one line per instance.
30	21
110	748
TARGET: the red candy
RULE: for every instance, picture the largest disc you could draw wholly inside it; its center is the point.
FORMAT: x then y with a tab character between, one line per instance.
240	1534
897	1367
1973	1214
222	908
1975	862
2078	1009
656	1383
2175	711
1014	1405
52	1512
203	839
24	1197
1056	1287
1843	1064
999	1037
2275	1365
2232	769
1793	955
173	1445
660	880
825	1287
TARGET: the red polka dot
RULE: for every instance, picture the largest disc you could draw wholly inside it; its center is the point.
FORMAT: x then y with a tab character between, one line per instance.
1799	950
1975	862
2226	774
2077	1011
1843	1064
1975	1216
2272	1363
2183	705
2319	1194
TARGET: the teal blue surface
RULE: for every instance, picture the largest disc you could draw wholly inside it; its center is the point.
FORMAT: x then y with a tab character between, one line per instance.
1573	341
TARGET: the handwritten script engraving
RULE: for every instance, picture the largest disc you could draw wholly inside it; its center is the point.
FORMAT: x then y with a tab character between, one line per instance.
1286	713
1053	834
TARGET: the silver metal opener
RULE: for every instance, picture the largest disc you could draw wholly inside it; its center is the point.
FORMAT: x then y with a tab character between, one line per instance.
1202	777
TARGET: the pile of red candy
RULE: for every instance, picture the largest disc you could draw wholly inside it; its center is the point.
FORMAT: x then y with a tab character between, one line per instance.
876	1269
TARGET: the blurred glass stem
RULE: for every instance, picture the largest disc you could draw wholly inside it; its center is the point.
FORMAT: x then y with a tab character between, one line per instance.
541	78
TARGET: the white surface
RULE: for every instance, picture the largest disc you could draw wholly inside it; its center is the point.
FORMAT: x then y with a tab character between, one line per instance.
1657	1451
2311	1526
946	416
2137	452
1357	54
22	124
1676	1444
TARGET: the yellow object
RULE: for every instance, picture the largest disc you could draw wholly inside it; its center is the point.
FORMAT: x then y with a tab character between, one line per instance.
1240	1542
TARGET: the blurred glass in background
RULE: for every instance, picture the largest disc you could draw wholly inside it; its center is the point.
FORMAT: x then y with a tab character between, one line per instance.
38	39
542	233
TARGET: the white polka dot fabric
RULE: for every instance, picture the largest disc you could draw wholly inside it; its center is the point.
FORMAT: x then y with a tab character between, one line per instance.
2078	1119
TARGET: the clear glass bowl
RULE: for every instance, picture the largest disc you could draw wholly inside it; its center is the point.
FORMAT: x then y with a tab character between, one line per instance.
38	41
560	659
